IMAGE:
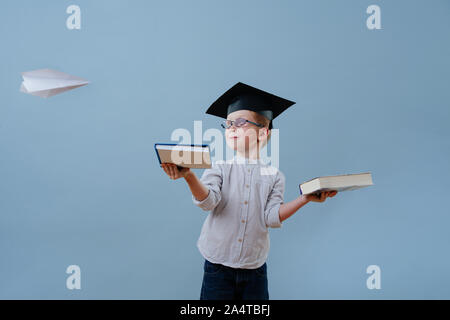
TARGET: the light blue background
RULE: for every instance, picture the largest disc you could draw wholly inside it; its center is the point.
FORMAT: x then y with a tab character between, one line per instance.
80	182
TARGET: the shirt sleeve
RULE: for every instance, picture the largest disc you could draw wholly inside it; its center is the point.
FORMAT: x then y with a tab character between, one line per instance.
274	201
212	180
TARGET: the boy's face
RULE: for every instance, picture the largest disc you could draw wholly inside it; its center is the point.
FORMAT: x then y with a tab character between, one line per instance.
245	138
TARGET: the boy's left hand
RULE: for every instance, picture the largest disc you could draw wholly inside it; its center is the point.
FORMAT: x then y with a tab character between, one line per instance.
320	198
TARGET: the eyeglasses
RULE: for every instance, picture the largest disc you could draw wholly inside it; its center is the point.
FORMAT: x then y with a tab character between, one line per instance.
239	122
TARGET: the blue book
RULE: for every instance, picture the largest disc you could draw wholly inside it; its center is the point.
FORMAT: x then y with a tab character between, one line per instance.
195	156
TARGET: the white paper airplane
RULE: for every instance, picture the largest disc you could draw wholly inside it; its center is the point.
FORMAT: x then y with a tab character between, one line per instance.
46	82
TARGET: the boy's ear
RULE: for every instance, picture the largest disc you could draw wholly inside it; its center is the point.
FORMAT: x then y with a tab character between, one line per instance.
264	132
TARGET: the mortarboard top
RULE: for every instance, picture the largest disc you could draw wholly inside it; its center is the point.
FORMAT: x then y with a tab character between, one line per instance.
244	97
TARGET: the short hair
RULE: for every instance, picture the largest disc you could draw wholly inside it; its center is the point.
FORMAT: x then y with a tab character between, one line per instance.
265	122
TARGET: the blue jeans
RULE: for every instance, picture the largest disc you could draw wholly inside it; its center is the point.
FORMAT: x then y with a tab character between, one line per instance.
225	283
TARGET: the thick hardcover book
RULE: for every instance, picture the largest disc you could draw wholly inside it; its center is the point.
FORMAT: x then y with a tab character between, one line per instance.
344	182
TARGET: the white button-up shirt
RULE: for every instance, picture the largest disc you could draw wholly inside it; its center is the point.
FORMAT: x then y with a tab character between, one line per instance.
244	199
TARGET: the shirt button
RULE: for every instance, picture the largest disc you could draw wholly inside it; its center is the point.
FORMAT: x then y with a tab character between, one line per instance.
248	170
245	202
246	185
240	240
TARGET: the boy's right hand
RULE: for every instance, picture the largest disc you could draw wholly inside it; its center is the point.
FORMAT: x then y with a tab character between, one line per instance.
173	172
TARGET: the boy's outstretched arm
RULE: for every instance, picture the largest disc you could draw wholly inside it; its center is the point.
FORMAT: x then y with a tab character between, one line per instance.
289	208
199	191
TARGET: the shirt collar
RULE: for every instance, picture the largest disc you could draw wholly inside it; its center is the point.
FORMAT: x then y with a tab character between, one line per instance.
239	159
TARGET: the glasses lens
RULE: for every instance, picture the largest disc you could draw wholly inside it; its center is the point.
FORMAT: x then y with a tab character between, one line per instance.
226	124
239	122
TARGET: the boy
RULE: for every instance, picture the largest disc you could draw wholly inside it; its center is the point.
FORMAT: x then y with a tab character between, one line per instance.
245	197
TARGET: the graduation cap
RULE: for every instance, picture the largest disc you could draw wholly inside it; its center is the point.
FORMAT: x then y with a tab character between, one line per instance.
244	97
